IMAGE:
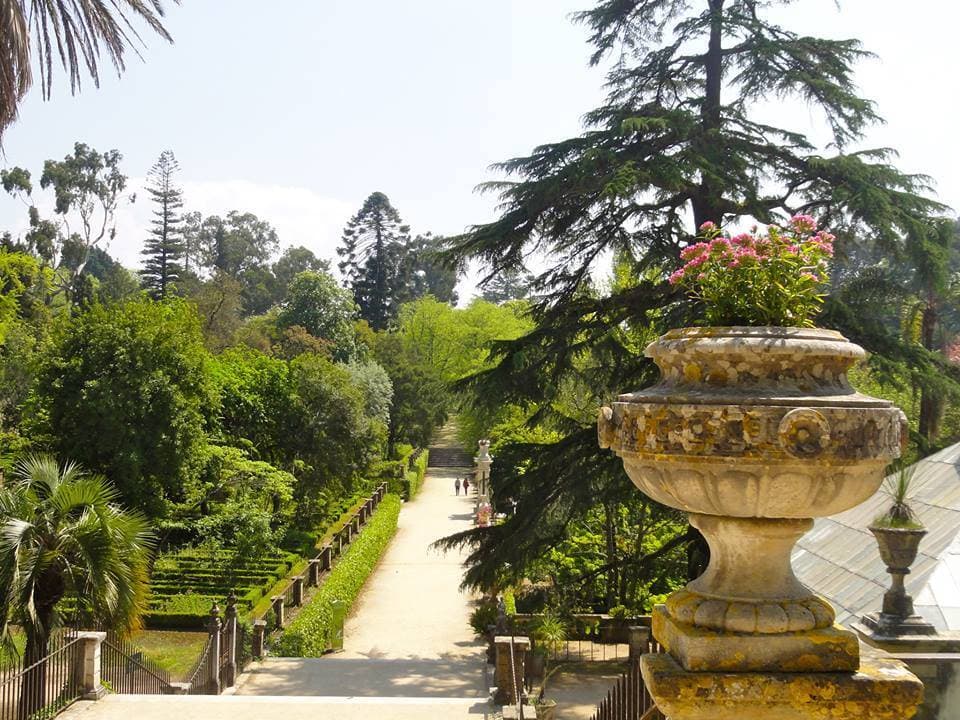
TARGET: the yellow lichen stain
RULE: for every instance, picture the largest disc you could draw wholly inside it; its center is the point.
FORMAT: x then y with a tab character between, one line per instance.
691	372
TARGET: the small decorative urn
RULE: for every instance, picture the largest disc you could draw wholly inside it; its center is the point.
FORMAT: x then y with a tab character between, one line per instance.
753	431
898	549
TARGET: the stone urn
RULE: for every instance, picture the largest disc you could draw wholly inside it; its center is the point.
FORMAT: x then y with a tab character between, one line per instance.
753	431
898	550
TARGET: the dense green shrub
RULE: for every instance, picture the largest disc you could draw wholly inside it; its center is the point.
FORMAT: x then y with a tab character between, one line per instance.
419	472
310	632
483	616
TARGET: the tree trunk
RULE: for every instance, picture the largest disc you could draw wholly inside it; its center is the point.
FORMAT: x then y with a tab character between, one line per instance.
931	402
708	201
611	542
33	684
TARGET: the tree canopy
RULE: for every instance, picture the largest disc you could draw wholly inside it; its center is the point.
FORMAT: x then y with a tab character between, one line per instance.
674	145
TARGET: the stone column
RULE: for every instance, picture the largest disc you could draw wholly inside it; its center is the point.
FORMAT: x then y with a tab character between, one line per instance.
506	692
89	664
313	572
259	636
355	525
229	636
298	591
638	639
326	558
214	627
482	472
277	606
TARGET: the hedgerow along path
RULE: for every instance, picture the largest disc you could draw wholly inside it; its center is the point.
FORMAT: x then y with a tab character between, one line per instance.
408	636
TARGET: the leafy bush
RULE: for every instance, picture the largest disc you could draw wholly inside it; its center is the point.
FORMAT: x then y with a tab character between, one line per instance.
483	617
310	633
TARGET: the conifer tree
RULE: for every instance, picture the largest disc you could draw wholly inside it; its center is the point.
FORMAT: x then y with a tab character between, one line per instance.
674	145
164	249
373	248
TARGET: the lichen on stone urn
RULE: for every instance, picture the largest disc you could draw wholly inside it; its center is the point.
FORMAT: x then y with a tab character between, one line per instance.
754	431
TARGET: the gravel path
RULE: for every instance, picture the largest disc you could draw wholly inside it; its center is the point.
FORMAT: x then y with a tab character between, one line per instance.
408	635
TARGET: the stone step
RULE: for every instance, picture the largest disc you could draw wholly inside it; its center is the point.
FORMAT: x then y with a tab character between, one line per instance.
259	707
450	457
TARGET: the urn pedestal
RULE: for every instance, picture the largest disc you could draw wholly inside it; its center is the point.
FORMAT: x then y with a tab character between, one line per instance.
754	432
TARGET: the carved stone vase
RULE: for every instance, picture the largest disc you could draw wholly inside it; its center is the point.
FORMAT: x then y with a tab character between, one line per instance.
898	550
753	432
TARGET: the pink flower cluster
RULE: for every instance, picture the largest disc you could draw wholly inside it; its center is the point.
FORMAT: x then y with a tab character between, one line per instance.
801	241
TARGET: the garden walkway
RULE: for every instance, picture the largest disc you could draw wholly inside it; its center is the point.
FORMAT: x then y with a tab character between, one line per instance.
408	652
408	636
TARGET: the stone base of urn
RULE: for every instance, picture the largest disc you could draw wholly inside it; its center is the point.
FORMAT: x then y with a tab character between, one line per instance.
696	649
881	689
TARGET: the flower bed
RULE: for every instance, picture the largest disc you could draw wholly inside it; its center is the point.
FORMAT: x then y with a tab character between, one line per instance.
310	633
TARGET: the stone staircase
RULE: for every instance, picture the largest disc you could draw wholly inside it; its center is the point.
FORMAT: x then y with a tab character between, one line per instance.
449	457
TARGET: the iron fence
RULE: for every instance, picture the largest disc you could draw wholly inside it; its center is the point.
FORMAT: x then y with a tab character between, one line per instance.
589	651
125	670
201	679
629	699
44	687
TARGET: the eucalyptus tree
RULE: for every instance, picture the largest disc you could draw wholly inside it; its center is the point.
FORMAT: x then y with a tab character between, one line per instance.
676	143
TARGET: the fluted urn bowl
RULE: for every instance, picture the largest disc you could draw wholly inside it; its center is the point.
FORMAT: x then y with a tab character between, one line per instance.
754	422
754	431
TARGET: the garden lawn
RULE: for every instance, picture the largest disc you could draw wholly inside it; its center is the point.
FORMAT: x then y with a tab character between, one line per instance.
172	650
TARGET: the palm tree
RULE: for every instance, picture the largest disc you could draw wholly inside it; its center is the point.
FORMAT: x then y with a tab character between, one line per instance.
77	32
61	535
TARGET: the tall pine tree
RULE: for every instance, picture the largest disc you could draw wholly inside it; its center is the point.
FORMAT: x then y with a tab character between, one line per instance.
675	144
164	249
373	249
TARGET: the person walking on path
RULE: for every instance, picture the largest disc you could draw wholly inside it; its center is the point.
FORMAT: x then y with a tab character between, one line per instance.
456	485
466	486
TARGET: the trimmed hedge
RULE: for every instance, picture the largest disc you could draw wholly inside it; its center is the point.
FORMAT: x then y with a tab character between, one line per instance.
416	474
309	635
184	585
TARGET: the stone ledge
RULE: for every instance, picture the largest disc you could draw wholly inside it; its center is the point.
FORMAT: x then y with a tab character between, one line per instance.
881	689
700	650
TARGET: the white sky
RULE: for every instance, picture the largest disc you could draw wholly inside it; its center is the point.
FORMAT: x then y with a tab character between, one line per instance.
298	114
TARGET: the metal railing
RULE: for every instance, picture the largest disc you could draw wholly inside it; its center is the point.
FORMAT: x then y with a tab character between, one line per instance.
590	651
125	670
44	687
629	699
199	679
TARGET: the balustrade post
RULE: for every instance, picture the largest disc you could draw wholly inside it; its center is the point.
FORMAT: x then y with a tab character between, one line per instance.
277	601
213	627
313	572
298	591
259	636
326	558
230	637
88	664
507	672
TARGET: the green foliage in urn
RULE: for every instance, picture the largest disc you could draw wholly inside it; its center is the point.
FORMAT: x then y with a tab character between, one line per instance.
771	278
899	514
